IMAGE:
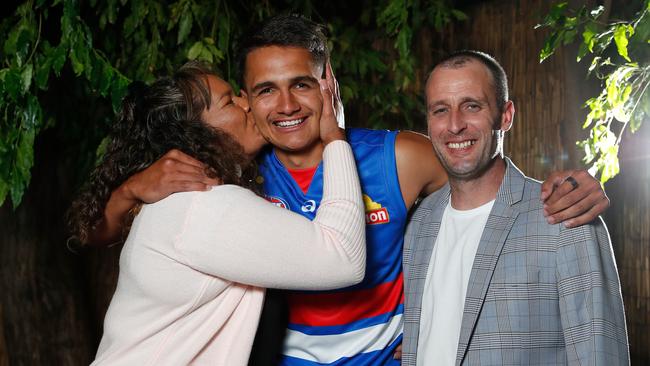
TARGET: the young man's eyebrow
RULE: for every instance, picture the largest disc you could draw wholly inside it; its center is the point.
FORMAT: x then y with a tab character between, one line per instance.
297	79
309	78
262	85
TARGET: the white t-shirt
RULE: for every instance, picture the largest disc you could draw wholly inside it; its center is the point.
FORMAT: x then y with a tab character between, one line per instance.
446	283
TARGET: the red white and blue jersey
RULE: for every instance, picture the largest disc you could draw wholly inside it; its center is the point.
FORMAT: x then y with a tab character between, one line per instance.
362	324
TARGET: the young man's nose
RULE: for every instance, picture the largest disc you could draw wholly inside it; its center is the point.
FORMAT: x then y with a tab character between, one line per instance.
288	103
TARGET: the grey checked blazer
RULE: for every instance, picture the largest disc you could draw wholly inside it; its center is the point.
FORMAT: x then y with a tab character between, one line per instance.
538	294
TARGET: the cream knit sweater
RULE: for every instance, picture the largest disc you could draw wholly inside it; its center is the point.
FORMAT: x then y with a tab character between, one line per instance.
194	268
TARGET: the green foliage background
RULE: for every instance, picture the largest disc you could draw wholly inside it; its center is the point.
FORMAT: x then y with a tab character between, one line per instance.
619	53
70	61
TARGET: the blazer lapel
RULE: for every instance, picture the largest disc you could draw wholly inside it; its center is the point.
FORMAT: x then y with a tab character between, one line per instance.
494	235
419	256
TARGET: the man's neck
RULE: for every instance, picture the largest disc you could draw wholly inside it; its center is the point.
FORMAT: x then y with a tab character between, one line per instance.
469	194
301	159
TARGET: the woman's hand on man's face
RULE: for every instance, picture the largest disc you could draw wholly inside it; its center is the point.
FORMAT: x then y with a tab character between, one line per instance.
332	122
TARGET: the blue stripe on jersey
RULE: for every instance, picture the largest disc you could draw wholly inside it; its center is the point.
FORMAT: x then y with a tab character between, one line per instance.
381	357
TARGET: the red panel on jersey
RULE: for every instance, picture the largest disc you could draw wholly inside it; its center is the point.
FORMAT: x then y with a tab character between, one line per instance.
336	308
303	177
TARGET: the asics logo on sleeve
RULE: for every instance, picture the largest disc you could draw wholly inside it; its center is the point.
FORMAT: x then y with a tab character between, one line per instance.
308	206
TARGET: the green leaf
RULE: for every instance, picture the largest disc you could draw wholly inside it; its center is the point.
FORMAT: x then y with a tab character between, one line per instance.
24	160
18	42
588	148
195	50
184	27
621	33
76	59
224	35
558	9
58	59
582	51
570	22
594	64
119	87
111	9
206	55
641	113
550	45
569	36
602	41
636	121
101	150
218	55
403	41
106	78
588	36
596	111
554	15
26	78
13	83
612	90
610	166
4	189
642	29
459	15
32	113
42	72
645	101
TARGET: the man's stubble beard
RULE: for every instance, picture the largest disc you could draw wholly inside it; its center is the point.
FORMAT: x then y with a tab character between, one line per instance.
476	170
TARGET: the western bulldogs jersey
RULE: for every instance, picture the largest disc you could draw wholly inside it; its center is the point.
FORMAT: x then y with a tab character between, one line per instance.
362	324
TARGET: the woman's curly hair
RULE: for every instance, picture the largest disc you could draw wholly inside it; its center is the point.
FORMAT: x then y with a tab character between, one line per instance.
153	120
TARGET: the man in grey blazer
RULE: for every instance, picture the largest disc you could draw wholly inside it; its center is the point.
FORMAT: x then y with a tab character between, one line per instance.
487	280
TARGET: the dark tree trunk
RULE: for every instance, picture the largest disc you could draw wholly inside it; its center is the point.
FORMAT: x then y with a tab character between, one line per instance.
43	314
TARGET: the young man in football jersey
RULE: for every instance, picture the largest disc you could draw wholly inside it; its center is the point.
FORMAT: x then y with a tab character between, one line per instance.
282	61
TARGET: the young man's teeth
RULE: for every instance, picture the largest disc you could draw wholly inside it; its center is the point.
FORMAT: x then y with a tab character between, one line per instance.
460	145
291	123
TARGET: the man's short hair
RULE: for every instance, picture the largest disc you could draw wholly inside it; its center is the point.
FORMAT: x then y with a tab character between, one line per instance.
289	30
499	79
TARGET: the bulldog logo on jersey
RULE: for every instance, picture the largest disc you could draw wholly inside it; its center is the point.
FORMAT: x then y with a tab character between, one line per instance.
277	201
375	214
